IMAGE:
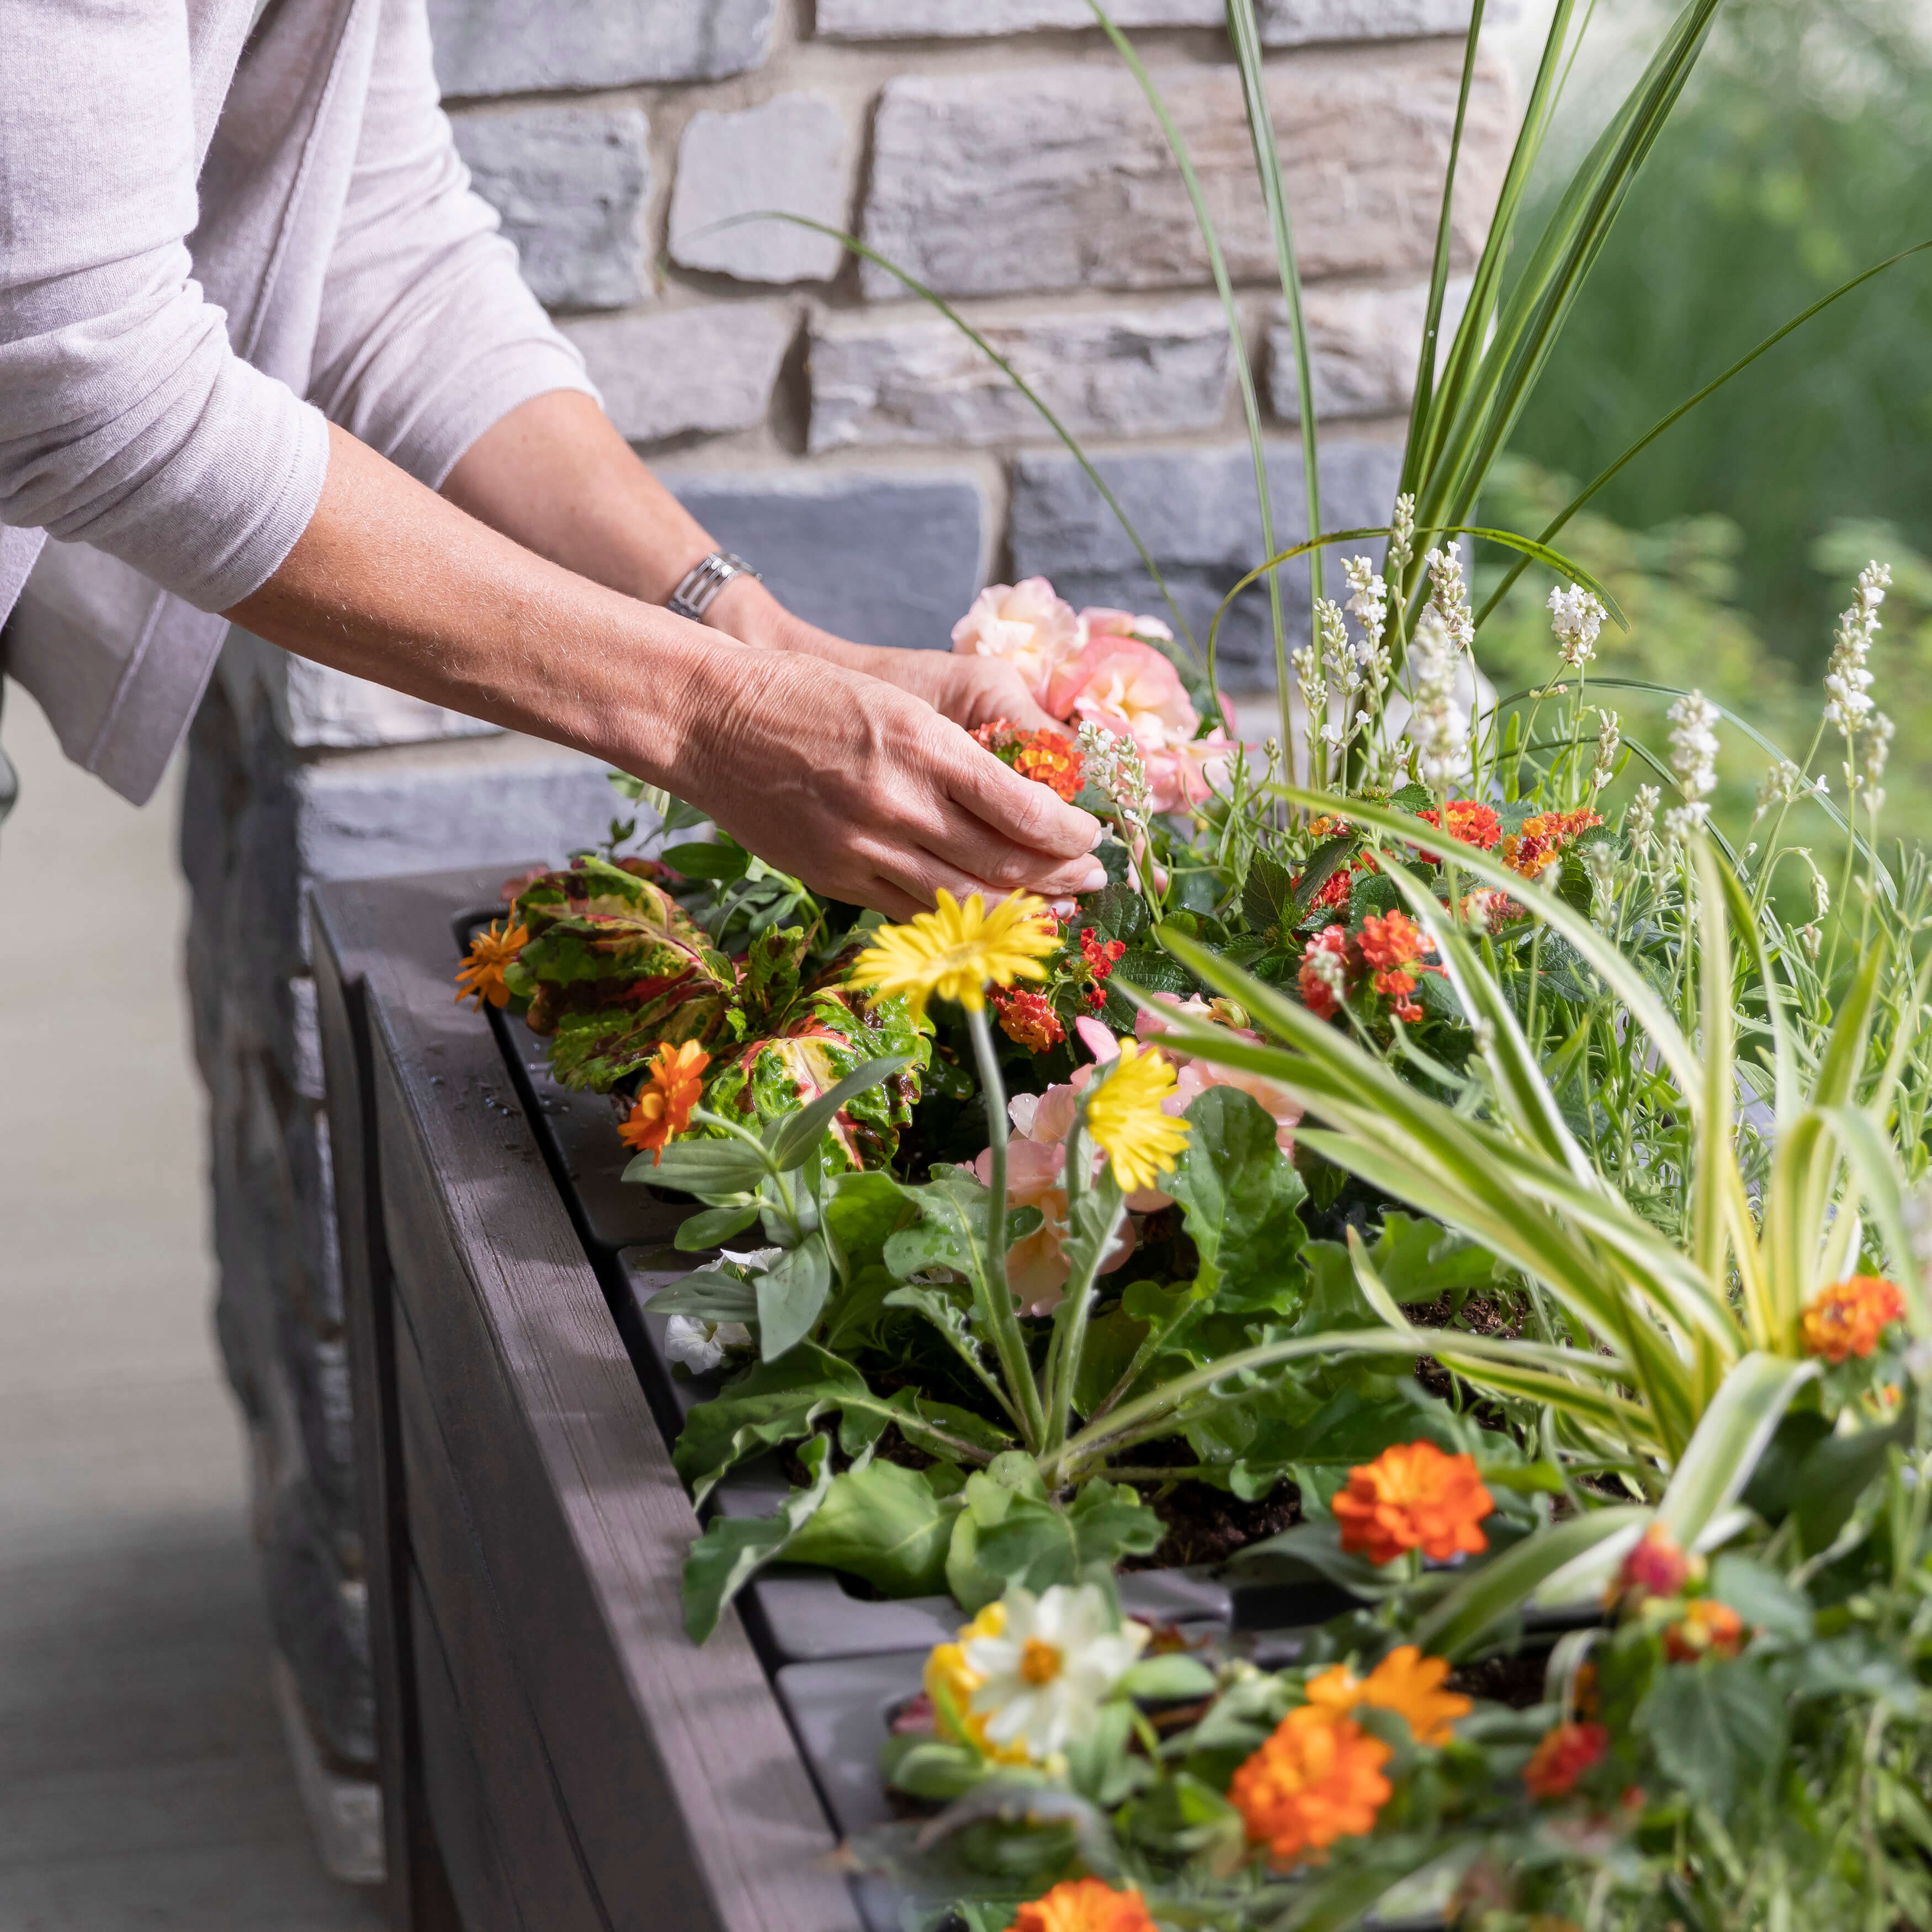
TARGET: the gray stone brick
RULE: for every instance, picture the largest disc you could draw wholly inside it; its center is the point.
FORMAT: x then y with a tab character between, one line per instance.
1363	345
1119	373
1284	23
1058	177
569	184
529	46
710	369
1196	511
886	560
791	153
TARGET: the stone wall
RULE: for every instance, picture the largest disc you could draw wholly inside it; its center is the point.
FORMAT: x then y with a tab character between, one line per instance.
833	428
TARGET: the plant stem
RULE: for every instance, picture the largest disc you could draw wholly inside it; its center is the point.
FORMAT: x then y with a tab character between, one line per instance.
1070	1335
1002	1324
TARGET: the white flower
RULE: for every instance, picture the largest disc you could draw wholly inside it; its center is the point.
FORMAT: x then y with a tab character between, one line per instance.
1046	1676
1368	605
1693	758
1576	617
700	1345
1328	968
1113	762
1641	821
754	1261
1449	594
1609	742
1439	727
1402	535
1847	681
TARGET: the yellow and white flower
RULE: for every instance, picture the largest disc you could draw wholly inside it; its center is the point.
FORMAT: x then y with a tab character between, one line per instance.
1044	1676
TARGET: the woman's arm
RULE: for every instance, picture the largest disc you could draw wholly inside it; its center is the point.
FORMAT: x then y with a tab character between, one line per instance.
861	789
555	474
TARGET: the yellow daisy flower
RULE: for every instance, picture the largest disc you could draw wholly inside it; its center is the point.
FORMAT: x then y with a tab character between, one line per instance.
955	952
1125	1118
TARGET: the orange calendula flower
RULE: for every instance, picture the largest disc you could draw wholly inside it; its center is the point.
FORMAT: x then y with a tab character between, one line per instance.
1848	1317
480	977
1656	1567
1413	1496
1027	1018
1405	1682
673	1086
1085	1905
1563	1756
1318	1778
1707	1628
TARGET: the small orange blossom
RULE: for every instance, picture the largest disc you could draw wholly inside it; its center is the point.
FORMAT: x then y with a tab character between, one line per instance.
1405	1682
672	1088
1413	1496
1085	1905
480	977
1848	1317
1707	1628
1318	1778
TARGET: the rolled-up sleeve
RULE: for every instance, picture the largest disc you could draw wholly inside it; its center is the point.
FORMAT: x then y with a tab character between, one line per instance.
428	334
126	420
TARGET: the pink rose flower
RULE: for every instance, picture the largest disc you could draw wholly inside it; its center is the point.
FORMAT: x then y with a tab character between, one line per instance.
1196	1076
1025	623
1099	622
1182	776
1130	689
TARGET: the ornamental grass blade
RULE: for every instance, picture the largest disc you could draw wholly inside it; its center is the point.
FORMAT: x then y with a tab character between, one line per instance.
1486	1597
1717	1461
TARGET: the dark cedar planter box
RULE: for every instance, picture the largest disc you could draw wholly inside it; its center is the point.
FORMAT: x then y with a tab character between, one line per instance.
557	1755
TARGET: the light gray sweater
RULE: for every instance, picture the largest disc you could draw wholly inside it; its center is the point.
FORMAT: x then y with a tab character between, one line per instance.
215	231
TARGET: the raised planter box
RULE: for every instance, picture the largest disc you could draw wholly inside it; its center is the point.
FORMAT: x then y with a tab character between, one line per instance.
555	1753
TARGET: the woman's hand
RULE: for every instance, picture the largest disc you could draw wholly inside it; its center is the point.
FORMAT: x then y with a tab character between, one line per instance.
865	792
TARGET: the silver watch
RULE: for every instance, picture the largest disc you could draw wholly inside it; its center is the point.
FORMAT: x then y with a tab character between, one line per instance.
698	589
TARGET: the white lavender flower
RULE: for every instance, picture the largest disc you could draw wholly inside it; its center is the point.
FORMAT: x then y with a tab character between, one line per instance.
1599	861
1812	937
1449	594
1113	762
1847	681
1609	742
1402	535
1438	727
1576	617
1368	605
1641	820
1693	759
1783	784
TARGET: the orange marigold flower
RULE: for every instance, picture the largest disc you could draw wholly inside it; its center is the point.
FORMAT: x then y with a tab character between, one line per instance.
1085	1905
480	977
673	1086
1405	1682
1048	759
1848	1317
1707	1628
1027	1017
1318	1778
1656	1567
1563	1756
1413	1496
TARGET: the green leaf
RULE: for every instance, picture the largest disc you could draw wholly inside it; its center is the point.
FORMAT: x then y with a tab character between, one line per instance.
790	1293
793	1140
1717	1461
1811	1472
722	1172
709	1294
1011	1532
709	861
862	1211
1153	972
1169	1679
1419	1261
724	1558
713	1228
955	1213
1239	1195
775	1402
1268	899
1718	1728
884	1523
1765	1600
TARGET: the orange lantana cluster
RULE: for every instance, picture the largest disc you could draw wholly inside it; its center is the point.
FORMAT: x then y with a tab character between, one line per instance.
1318	1778
1391	944
1027	1017
1471	821
1848	1317
1047	757
1538	842
1414	1496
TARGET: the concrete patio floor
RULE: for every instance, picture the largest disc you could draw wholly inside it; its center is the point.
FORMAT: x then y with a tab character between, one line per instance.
142	1779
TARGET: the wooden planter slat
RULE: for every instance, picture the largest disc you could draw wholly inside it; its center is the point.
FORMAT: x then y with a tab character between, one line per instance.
547	1639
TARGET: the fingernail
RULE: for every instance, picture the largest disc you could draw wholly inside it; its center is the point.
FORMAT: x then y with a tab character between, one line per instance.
1099	833
1093	878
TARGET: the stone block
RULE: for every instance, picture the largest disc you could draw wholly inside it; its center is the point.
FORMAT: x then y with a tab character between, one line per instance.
1363	344
790	153
530	46
886	558
1283	23
711	369
1121	372
311	705
1059	177
569	184
1196	511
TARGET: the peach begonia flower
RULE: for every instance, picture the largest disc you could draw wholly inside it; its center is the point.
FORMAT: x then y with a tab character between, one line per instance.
1197	1075
1036	1267
1035	631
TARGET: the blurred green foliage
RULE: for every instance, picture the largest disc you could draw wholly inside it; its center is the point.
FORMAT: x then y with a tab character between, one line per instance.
1803	154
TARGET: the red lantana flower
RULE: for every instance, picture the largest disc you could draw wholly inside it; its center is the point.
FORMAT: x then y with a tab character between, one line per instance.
1102	956
1391	943
1027	1017
1563	1756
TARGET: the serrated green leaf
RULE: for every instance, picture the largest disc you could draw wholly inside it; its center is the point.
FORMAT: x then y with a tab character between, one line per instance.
1718	1728
732	1548
1239	1195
